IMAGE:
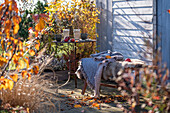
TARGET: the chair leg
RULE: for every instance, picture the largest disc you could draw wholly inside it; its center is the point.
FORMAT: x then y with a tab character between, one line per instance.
84	88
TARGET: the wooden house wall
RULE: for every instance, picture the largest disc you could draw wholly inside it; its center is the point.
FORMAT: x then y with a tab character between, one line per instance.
125	27
163	25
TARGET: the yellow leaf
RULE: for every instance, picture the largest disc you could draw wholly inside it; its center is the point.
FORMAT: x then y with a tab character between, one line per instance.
8	26
2	61
2	79
14	77
37	46
2	44
29	76
15	41
16	28
32	71
5	83
21	62
15	59
40	25
36	69
10	84
26	61
1	86
31	52
77	106
23	73
91	101
96	105
133	104
28	110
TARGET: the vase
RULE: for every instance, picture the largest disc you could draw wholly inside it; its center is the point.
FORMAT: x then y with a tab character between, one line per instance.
84	36
76	34
66	32
58	37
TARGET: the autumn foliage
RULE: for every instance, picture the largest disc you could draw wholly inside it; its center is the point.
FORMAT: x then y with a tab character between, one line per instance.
80	14
16	53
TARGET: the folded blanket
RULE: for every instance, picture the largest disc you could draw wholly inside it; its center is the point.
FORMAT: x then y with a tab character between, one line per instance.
92	71
88	68
102	55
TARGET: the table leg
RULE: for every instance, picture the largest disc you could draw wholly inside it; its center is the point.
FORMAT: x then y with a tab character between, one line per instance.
75	77
136	83
69	61
84	87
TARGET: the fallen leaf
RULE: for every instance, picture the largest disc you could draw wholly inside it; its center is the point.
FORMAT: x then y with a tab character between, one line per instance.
107	101
112	100
156	98
72	92
168	11
91	101
99	101
133	104
108	57
62	96
77	106
96	105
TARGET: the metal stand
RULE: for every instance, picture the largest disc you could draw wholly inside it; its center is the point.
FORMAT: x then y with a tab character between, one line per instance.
74	58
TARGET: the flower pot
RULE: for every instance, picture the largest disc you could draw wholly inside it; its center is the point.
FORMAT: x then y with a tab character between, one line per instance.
58	37
76	34
66	32
84	36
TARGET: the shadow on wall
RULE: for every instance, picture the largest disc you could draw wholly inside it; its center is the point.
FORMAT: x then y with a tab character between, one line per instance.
104	29
132	27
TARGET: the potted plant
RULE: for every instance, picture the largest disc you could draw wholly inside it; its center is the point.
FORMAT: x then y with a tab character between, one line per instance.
76	33
66	32
83	15
55	28
58	30
84	36
85	18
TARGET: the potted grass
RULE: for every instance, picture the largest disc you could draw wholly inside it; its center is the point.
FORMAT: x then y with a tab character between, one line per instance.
83	14
58	32
85	18
56	29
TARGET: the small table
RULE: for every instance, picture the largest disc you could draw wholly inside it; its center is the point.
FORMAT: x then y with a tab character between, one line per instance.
75	50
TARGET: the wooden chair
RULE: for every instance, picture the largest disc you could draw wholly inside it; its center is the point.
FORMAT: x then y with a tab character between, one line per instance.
135	67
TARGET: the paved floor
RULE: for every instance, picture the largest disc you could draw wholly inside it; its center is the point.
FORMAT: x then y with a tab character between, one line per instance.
69	96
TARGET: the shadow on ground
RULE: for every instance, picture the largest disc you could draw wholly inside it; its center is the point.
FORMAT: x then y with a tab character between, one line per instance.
69	96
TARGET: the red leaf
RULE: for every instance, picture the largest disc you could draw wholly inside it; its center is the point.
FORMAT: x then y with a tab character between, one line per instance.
168	11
